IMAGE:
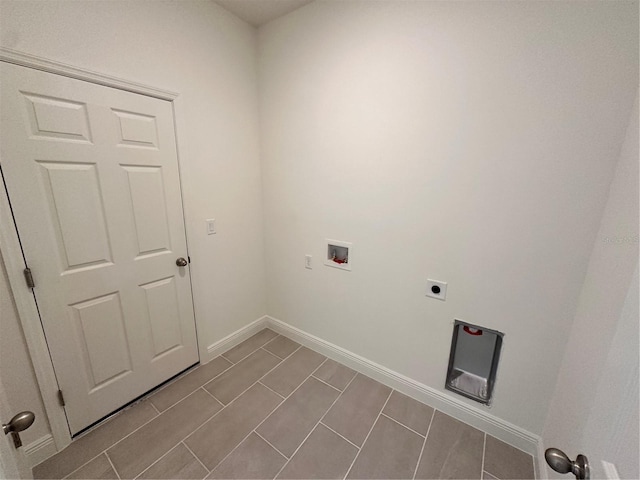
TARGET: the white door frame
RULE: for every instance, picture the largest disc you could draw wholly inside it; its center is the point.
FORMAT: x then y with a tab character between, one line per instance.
12	253
13	462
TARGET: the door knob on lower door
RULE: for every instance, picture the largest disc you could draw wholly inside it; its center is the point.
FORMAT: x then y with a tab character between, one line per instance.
560	462
17	424
181	262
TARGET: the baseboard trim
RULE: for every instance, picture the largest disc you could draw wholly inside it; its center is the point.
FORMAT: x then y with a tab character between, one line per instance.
236	337
39	450
505	431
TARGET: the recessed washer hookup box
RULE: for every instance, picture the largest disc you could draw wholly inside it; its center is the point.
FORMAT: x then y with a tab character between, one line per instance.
473	361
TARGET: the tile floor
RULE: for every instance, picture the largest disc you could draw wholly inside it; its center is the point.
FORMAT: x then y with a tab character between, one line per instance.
270	408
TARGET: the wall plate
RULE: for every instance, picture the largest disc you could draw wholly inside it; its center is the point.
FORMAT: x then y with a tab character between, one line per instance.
436	289
338	254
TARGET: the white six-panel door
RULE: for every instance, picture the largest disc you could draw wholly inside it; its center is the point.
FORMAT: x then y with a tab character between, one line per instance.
93	181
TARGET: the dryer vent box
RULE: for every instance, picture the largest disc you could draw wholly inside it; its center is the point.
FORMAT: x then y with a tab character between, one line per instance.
473	361
338	254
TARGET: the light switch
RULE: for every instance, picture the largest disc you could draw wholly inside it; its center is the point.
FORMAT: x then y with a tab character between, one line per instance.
211	226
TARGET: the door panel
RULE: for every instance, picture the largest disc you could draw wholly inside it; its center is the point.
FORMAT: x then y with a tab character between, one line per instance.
100	330
93	180
146	188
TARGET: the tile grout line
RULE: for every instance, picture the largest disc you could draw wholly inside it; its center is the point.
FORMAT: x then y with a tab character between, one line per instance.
295	389
201	425
270	444
111	446
158	414
238	396
146	423
252	351
315	426
265	386
319	366
211	395
367	437
340	435
276	356
484	449
154	407
201	386
328	384
244	391
247	436
206	421
424	444
180	376
382	414
286	356
196	457
157	460
112	465
179	441
86	463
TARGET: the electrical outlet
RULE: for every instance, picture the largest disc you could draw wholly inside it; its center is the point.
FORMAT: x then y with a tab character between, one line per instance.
436	289
307	262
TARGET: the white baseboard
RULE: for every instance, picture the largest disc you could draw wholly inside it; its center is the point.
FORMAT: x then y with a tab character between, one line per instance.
39	450
505	431
235	338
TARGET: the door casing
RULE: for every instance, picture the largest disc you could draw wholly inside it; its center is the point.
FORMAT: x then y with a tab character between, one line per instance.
12	252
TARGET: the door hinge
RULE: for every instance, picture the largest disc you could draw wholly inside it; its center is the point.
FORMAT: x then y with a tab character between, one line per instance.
28	276
61	398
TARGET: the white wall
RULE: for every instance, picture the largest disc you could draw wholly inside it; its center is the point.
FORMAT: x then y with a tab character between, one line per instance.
469	142
594	409
201	51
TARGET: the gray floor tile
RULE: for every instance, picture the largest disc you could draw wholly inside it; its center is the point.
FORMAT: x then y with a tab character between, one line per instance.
179	463
241	376
90	445
139	440
335	374
409	412
220	435
357	408
453	450
254	458
98	468
282	347
293	371
323	455
183	386
250	345
288	426
138	451
504	461
391	451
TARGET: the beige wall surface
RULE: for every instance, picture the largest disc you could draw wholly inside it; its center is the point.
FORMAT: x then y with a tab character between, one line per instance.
468	142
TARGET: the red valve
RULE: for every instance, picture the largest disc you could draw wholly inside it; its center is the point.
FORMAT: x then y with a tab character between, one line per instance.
472	331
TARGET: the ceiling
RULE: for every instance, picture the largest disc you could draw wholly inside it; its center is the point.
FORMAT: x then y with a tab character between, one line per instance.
259	12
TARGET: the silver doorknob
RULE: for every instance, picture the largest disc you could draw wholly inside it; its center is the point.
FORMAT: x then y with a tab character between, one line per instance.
560	462
181	262
20	422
